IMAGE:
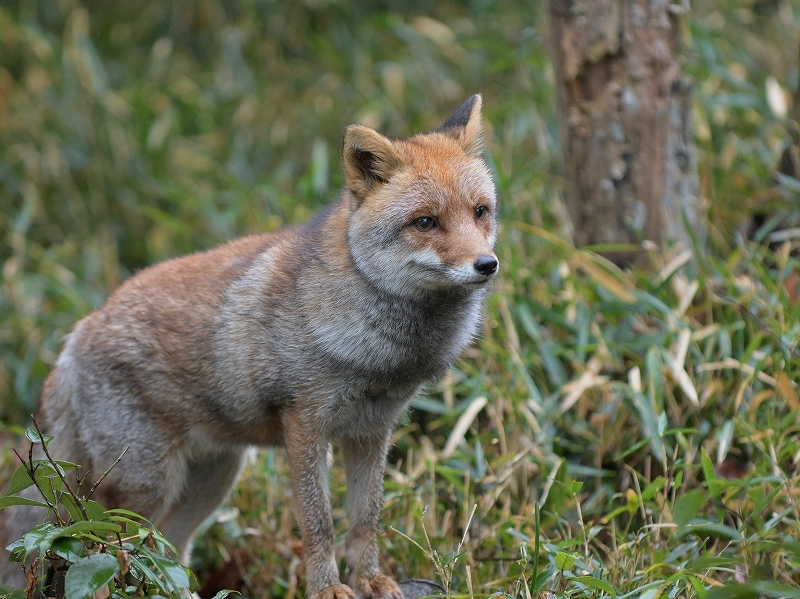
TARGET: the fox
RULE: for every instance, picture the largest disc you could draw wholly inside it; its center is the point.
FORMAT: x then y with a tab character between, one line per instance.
313	336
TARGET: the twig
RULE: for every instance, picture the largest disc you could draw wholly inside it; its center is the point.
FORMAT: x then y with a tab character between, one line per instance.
108	470
102	478
78	502
32	473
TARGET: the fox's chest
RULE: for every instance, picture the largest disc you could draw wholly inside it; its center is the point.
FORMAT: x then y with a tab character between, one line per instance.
393	344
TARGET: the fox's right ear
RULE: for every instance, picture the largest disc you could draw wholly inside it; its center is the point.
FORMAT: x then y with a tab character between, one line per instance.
465	125
369	160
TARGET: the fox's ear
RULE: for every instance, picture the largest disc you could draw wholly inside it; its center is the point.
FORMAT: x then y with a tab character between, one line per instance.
466	125
369	159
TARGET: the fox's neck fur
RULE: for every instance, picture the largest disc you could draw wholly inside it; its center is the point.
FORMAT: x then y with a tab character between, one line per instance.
403	335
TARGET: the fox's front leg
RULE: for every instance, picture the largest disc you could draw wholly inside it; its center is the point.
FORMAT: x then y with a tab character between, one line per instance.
365	463
308	453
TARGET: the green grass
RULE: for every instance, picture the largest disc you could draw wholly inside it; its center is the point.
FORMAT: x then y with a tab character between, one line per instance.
614	399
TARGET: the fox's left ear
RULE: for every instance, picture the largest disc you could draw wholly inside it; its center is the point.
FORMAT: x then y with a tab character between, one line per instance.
370	160
466	126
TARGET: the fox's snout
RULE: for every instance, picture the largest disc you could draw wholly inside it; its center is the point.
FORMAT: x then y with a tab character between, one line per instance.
486	265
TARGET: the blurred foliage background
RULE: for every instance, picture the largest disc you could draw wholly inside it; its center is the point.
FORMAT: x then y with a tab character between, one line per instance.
133	131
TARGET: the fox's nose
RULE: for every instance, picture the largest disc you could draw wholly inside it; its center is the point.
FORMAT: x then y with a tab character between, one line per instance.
486	265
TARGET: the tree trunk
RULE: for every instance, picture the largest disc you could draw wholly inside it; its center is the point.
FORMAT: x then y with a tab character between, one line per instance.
627	142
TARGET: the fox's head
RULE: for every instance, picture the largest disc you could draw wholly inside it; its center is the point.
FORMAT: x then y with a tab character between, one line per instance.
423	209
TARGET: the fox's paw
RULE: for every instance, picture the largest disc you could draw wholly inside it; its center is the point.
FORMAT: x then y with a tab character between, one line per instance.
379	587
337	591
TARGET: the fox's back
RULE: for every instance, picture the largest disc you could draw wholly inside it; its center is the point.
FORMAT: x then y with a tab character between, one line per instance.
148	347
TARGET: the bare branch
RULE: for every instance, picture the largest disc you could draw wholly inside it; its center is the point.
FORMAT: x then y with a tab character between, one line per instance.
78	502
32	473
102	478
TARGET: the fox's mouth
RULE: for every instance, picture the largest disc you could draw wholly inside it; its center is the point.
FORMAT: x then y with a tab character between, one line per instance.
444	276
475	282
482	282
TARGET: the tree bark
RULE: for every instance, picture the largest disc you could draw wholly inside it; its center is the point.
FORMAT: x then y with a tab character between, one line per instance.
625	117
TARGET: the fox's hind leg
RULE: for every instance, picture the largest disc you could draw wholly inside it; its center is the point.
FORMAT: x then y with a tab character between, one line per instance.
209	480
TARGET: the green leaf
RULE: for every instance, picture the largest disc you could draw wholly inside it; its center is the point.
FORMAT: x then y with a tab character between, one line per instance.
710	562
704	529
173	575
90	527
632	449
760	501
43	468
432	406
17	551
29	542
72	508
596	583
724	439
732	592
662	424
552	365
688	506
50	487
710	476
70	548
761	588
655	377
20	480
564	560
13	500
645	409
192	579
223	594
774	589
44	536
34	437
654	487
654	592
161	542
90	574
96	511
50	468
698	587
132	516
614	513
11	593
48	479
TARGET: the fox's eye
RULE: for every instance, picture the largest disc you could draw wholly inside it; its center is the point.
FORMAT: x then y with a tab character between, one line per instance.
481	212
424	223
